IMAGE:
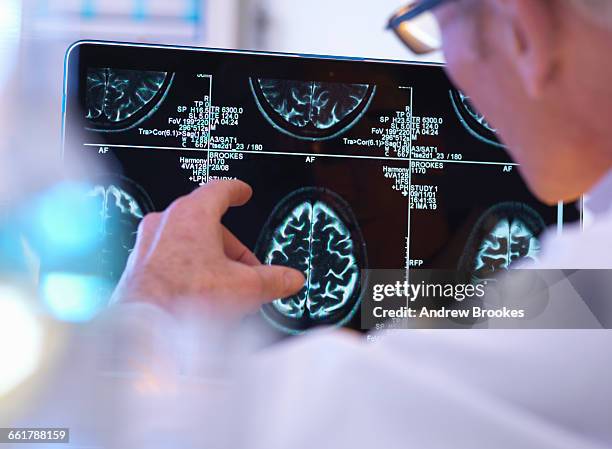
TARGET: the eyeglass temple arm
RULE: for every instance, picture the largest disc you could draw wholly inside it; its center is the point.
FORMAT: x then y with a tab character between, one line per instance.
417	10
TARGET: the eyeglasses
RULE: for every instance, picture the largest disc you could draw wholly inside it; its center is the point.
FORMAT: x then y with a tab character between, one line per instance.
417	27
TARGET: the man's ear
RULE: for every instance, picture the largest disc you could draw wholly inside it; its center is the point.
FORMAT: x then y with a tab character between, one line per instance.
532	42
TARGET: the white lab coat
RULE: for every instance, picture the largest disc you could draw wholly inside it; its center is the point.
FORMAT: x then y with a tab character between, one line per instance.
167	384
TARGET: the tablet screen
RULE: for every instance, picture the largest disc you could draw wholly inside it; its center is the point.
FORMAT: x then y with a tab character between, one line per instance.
355	165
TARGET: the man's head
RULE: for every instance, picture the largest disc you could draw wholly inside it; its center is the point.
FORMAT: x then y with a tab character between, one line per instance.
541	72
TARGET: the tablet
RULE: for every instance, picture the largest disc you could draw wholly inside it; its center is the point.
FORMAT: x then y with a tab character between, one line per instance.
356	165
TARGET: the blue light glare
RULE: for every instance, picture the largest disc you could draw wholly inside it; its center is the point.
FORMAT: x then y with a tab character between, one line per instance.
63	222
88	10
194	10
140	9
73	297
12	257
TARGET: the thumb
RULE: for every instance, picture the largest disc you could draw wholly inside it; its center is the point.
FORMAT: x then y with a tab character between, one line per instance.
278	282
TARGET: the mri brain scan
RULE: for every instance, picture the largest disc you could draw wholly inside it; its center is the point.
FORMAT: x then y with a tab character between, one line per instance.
472	120
118	100
311	110
121	204
313	230
505	234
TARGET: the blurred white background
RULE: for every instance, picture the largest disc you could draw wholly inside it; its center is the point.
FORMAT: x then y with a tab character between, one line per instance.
336	27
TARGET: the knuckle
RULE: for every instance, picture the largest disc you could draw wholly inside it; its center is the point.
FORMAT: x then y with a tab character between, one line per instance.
178	204
279	284
189	206
178	209
248	284
270	285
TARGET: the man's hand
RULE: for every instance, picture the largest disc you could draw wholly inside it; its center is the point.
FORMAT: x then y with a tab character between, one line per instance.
185	253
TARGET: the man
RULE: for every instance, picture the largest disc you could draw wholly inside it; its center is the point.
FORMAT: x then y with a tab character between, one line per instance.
539	70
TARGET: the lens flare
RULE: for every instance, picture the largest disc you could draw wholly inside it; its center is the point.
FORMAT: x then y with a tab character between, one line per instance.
73	297
20	339
63	222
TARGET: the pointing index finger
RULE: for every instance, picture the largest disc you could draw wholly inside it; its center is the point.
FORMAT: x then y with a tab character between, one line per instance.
219	196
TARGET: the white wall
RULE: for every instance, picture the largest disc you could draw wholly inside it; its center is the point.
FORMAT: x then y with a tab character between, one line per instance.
337	27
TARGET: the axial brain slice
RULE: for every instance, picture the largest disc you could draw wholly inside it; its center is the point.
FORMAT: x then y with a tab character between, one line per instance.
115	95
506	234
313	237
120	214
312	109
509	241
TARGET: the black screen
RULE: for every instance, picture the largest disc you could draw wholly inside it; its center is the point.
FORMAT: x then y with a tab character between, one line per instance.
355	165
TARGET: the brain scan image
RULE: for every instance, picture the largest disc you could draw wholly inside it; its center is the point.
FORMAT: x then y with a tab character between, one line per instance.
314	230
311	110
118	100
505	234
121	204
472	120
